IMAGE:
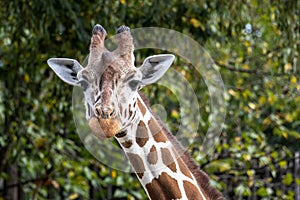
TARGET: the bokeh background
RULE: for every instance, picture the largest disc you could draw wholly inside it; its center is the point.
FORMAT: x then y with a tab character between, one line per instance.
255	45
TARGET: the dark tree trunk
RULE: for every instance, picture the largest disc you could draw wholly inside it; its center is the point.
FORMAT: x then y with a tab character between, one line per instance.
12	188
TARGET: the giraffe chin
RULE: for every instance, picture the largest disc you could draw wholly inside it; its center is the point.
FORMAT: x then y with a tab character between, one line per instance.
104	128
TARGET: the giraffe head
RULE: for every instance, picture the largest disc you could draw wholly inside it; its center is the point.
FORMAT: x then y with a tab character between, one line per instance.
110	81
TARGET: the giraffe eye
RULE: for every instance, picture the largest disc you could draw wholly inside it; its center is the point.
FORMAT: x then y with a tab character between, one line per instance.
134	84
84	84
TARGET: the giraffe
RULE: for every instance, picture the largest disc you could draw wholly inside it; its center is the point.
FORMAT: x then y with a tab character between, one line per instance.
116	108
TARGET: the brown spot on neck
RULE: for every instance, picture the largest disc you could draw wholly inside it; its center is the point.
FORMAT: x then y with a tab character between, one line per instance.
154	126
141	134
164	188
156	131
152	156
121	134
168	159
184	169
127	143
191	191
182	165
142	107
137	163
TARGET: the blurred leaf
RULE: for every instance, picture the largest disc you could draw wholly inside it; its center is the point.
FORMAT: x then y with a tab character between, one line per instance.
262	192
293	79
120	194
242	190
288	179
282	164
73	196
219	165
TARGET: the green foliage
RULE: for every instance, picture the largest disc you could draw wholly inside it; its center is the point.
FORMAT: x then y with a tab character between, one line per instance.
255	45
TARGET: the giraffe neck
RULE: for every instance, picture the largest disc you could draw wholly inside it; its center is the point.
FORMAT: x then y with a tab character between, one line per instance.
164	169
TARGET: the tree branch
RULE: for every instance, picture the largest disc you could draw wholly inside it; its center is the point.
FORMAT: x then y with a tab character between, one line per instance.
249	71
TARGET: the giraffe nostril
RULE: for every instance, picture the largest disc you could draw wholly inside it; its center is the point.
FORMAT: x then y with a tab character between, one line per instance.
112	114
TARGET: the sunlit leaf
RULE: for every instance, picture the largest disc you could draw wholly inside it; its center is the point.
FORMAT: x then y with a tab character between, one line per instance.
283	164
73	196
293	79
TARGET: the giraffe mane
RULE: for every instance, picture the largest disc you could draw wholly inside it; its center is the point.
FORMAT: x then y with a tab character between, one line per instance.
201	177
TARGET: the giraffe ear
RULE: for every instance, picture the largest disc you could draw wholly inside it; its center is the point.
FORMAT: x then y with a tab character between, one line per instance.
154	67
66	69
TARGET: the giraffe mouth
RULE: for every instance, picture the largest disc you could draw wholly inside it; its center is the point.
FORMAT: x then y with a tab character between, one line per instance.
105	128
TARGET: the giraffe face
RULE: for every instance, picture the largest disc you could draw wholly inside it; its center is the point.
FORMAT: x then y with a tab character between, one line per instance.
110	81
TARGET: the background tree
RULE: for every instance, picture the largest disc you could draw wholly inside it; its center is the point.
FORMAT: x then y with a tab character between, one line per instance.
255	45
